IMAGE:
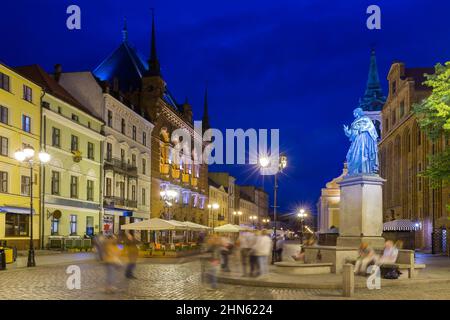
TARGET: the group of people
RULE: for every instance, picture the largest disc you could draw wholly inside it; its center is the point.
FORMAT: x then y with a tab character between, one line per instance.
117	254
254	247
367	256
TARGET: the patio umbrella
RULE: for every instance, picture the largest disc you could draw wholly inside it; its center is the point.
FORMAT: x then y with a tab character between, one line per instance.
155	224
195	226
228	228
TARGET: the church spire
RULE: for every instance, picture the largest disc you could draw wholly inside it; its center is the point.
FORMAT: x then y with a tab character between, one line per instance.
205	119
125	31
373	99
153	63
373	80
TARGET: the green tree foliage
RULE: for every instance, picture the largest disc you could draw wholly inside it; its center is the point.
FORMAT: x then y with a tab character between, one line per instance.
433	115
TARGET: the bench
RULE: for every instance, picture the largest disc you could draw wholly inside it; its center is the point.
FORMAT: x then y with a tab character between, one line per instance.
291	267
405	263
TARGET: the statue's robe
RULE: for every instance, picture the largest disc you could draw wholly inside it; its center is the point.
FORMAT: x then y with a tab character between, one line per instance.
362	157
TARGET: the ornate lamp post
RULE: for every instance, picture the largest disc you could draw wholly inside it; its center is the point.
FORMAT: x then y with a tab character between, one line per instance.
212	207
26	155
168	196
302	215
238	214
264	162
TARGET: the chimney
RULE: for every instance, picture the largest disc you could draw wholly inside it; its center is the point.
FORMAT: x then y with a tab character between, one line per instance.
58	71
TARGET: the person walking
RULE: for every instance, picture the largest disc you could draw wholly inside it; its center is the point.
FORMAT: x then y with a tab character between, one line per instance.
279	248
214	245
132	253
112	261
262	250
225	252
245	242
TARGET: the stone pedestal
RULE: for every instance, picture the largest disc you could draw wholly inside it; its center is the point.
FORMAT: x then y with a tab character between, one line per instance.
361	211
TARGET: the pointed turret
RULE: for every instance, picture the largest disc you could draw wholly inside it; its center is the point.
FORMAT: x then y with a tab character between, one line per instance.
373	99
153	63
125	31
205	119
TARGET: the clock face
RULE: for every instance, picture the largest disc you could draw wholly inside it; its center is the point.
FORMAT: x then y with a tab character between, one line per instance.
150	88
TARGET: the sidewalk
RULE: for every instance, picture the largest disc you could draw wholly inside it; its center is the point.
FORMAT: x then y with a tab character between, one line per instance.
47	257
437	270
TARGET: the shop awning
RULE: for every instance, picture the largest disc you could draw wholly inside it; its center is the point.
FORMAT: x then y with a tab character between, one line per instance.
119	212
155	224
401	225
18	210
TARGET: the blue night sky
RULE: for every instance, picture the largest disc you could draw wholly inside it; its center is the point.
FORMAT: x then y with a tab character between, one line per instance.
299	66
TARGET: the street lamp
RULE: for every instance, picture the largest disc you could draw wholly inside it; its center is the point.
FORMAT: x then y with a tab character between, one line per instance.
168	196
238	214
264	162
302	215
26	155
212	207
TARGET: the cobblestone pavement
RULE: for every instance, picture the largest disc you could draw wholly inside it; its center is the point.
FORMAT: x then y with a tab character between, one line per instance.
174	281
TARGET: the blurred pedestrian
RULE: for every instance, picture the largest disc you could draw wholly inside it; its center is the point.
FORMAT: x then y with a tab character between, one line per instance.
225	252
390	253
279	245
366	257
245	242
112	261
214	245
132	253
99	245
261	250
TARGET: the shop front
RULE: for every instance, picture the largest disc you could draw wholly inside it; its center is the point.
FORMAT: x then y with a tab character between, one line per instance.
15	227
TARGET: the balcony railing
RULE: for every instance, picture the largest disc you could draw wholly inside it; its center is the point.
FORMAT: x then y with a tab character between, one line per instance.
120	166
112	202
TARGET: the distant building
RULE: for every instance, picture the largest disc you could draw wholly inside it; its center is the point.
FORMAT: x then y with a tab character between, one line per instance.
218	194
328	204
229	183
404	151
261	200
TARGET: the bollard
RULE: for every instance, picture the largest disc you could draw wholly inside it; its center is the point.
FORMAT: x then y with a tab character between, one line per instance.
348	280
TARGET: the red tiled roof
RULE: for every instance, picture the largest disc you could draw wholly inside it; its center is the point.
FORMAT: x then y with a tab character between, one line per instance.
38	75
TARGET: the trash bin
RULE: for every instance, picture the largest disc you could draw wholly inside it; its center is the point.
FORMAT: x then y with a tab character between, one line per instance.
2	259
9	255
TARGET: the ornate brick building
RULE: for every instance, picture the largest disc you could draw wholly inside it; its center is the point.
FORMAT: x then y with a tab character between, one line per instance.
403	154
141	83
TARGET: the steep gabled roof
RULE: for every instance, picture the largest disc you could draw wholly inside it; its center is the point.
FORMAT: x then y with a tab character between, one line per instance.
38	75
126	64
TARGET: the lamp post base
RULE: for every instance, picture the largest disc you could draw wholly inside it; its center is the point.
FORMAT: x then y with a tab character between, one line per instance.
31	261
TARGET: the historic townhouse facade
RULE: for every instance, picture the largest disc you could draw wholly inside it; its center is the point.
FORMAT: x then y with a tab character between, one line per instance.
126	152
20	125
248	209
179	188
218	194
260	198
404	151
71	180
229	183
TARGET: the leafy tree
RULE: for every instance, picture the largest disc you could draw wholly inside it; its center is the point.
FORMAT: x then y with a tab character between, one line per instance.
433	115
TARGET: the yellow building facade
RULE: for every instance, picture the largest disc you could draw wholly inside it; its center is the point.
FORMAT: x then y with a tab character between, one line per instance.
20	126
